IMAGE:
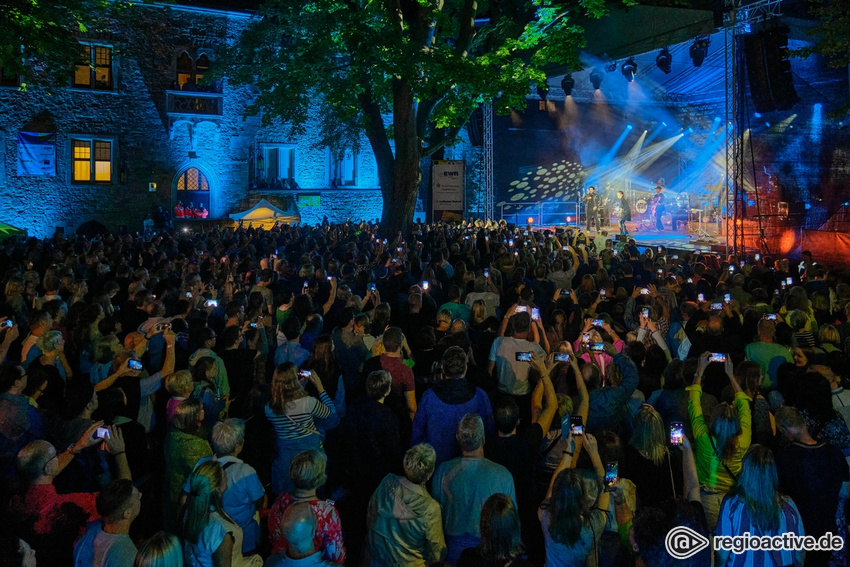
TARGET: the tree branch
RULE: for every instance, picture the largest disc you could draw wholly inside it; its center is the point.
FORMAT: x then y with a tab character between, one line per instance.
467	27
449	134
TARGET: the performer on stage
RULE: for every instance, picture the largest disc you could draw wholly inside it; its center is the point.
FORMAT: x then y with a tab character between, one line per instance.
625	212
657	205
179	211
592	205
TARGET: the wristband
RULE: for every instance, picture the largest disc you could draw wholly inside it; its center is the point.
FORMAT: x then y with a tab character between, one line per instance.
570	453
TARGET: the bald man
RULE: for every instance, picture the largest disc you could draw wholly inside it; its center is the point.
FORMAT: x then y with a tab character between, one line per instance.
298	527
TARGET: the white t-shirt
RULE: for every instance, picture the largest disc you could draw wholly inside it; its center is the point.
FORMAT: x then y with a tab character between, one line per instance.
513	375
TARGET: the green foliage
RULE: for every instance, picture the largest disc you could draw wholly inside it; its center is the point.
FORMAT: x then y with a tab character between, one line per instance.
358	56
39	39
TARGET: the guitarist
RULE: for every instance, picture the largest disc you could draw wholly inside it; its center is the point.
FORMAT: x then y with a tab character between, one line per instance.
593	208
657	206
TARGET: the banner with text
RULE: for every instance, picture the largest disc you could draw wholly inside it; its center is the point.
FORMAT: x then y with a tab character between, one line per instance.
36	153
447	183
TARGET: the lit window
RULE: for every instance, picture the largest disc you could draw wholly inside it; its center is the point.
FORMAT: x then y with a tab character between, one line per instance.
92	161
94	71
190	73
193	188
193	180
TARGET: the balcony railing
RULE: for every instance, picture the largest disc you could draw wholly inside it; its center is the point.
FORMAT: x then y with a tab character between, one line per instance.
194	103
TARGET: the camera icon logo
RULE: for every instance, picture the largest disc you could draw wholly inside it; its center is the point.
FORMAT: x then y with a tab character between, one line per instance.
683	542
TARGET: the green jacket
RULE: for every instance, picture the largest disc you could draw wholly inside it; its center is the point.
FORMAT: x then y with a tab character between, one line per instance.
710	469
405	526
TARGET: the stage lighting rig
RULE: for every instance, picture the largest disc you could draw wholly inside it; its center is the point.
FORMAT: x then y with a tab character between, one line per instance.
665	61
629	69
567	83
699	50
596	79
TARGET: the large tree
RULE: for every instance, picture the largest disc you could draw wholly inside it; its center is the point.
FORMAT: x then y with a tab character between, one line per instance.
424	64
39	39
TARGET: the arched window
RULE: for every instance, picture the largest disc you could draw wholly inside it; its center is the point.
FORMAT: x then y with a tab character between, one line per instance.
202	66
190	73
193	187
185	70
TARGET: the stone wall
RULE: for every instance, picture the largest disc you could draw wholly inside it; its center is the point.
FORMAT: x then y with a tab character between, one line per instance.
153	146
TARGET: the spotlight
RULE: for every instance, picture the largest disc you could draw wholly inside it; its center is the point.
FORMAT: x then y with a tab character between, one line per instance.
629	69
699	50
596	79
567	83
629	126
542	91
529	220
664	60
757	114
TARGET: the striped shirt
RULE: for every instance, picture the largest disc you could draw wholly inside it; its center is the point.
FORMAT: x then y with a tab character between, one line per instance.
297	421
734	520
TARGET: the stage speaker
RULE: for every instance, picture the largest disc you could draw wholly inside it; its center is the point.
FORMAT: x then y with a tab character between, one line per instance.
475	127
769	70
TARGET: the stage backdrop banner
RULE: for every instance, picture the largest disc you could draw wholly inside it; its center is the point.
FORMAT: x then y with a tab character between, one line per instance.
447	181
36	153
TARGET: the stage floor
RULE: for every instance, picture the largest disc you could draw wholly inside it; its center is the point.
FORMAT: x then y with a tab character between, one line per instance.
685	238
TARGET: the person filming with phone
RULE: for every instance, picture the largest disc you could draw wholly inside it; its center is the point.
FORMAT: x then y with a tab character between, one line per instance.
720	443
510	355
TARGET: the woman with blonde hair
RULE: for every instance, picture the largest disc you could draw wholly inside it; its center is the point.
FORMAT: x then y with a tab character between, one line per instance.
210	537
293	414
755	506
308	474
15	298
655	470
720	444
829	338
183	449
161	550
180	386
479	314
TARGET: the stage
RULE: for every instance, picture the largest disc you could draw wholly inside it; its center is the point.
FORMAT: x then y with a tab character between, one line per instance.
686	238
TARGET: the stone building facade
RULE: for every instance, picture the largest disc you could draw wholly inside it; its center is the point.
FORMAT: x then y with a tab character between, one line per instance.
136	128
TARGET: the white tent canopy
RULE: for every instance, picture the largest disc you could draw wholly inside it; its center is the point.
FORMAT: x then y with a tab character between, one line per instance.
265	212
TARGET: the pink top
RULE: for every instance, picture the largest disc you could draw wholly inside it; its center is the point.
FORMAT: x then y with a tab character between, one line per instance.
170	408
602	360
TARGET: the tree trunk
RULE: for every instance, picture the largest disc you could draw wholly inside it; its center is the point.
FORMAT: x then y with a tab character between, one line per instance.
400	181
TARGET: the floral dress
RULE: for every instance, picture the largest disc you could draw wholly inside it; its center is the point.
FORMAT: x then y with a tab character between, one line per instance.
328	538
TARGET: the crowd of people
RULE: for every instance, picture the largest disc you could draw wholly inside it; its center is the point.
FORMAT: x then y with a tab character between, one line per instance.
469	394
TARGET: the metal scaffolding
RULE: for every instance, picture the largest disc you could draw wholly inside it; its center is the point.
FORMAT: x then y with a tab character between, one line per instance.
738	21
487	181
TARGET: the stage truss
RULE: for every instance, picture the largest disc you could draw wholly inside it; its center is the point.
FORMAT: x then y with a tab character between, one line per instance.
738	21
487	182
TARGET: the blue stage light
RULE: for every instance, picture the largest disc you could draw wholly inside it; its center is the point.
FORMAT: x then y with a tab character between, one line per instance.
691	130
751	203
717	119
757	114
808	206
767	124
629	126
664	124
